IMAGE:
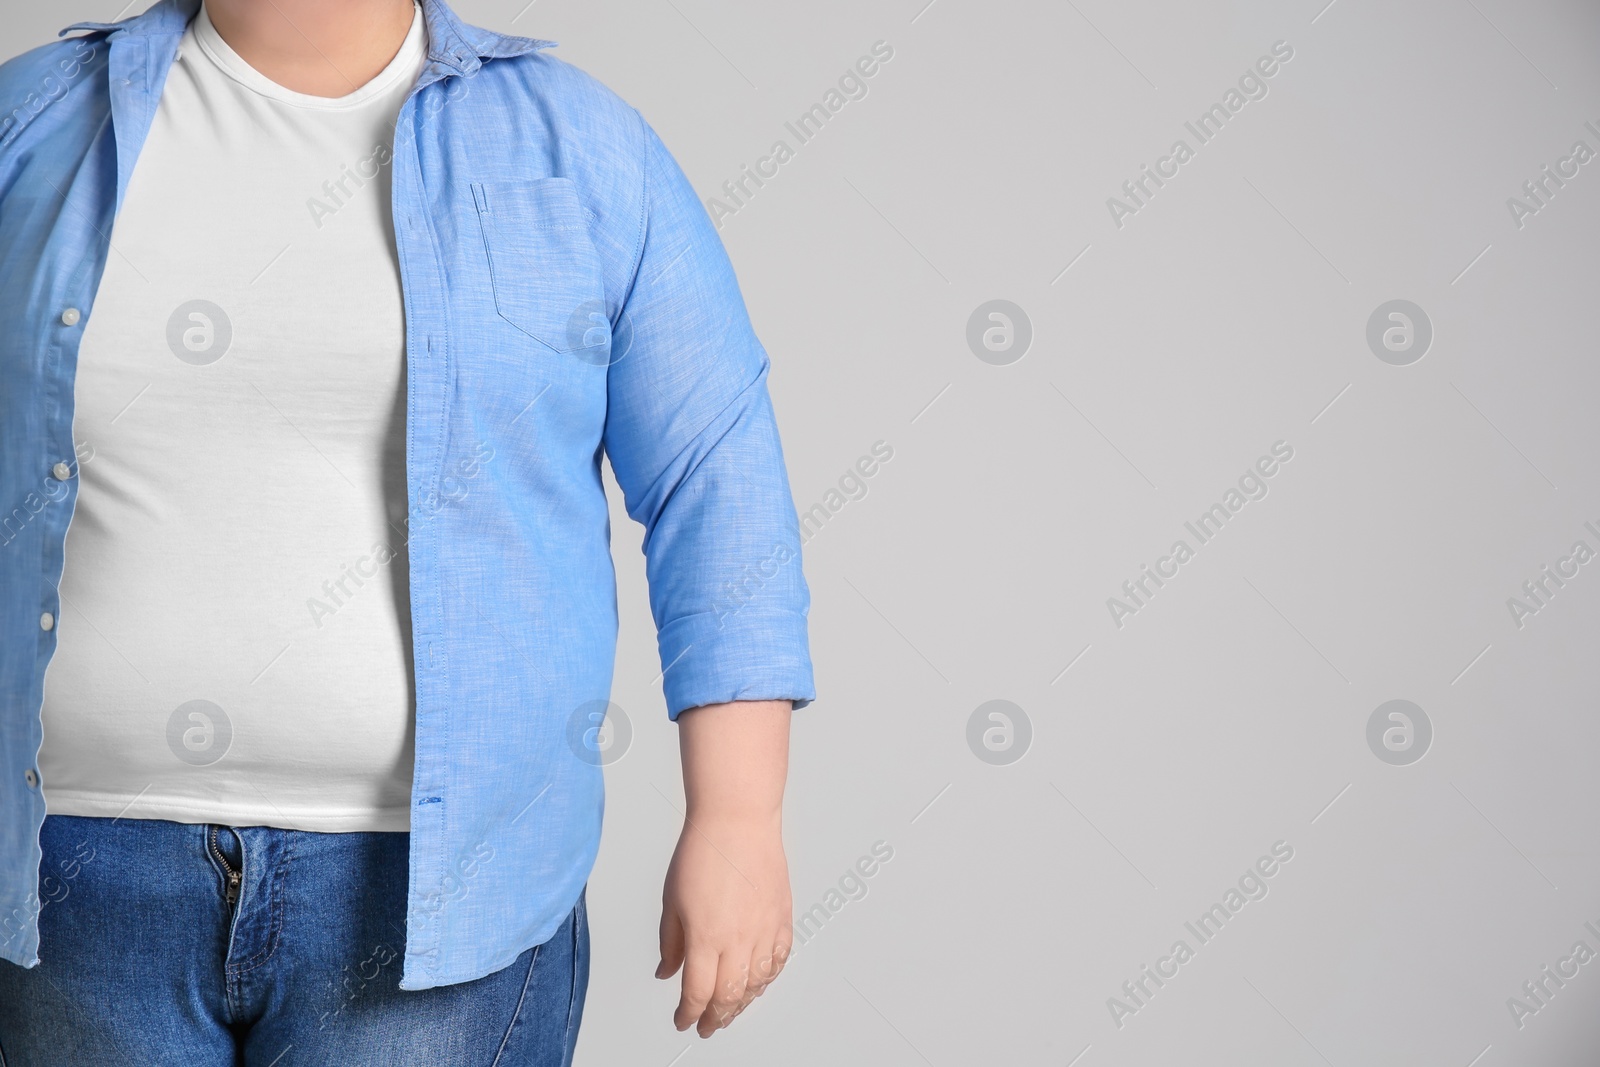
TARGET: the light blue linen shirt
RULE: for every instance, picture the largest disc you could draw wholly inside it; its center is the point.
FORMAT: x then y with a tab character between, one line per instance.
565	294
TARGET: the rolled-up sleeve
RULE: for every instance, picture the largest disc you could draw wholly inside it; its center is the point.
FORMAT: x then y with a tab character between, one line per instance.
693	441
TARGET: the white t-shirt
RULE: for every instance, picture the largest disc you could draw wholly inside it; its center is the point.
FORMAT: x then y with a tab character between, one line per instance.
234	645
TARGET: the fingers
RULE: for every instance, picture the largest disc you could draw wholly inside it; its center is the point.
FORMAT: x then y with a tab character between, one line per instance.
765	967
699	987
739	981
728	1000
671	944
758	973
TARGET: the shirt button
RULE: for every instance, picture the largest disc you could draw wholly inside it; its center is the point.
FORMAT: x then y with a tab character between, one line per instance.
61	472
31	778
47	621
70	317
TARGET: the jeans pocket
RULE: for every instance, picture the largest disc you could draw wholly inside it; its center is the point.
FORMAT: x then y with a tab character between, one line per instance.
542	265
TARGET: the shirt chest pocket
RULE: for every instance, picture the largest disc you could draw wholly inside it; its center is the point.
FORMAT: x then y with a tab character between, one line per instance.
542	265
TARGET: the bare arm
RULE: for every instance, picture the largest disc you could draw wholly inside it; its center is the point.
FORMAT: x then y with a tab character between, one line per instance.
726	906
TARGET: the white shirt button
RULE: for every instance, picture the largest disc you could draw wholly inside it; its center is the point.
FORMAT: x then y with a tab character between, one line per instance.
31	778
61	472
70	317
47	621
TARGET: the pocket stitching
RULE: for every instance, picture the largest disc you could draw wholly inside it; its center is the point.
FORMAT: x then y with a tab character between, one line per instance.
516	1016
487	230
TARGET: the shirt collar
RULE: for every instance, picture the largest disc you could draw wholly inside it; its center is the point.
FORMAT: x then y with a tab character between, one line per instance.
451	43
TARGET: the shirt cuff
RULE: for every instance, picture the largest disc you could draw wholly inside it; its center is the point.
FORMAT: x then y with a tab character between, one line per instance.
711	659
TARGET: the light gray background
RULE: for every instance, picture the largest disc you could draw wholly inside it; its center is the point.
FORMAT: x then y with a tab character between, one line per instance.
1231	712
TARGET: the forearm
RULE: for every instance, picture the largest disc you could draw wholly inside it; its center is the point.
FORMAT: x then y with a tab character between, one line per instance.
735	761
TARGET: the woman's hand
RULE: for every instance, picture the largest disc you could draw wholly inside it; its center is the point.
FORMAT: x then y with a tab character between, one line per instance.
726	906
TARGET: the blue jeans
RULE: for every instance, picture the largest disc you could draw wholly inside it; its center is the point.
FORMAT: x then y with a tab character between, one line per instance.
166	943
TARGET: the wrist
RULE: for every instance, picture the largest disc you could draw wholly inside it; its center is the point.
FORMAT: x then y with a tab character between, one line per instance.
736	817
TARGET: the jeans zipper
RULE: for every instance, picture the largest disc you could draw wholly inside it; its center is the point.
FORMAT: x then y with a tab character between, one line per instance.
233	875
